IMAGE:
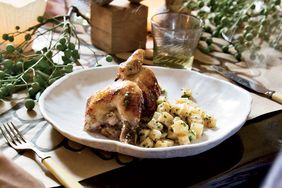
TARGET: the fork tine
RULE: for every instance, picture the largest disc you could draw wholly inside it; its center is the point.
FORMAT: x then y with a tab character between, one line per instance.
14	134
7	137
18	133
10	134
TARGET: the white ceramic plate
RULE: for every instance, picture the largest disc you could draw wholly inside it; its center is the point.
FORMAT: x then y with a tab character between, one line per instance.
63	105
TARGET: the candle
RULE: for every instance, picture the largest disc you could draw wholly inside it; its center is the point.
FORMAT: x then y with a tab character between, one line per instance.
155	6
22	13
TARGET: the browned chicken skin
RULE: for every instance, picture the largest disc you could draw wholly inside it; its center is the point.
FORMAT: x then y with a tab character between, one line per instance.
117	110
133	70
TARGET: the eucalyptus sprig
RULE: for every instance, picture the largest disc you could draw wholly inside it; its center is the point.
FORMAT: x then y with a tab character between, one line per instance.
245	23
34	72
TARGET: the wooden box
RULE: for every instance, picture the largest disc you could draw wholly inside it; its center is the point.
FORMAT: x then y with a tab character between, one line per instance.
119	27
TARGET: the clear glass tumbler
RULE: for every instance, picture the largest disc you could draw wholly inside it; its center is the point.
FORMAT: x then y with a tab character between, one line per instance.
175	36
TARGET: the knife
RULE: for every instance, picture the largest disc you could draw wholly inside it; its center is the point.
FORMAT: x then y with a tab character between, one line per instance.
249	84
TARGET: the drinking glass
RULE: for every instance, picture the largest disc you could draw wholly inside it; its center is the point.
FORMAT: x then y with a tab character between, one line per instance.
175	36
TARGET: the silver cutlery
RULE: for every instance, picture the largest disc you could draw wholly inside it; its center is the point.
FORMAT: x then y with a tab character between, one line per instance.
16	140
249	84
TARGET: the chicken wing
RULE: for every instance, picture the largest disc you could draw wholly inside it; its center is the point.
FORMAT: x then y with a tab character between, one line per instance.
133	70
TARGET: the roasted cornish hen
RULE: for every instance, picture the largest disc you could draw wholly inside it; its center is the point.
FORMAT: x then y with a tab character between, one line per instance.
116	111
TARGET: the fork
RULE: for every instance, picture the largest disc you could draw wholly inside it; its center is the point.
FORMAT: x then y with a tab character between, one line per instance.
16	140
